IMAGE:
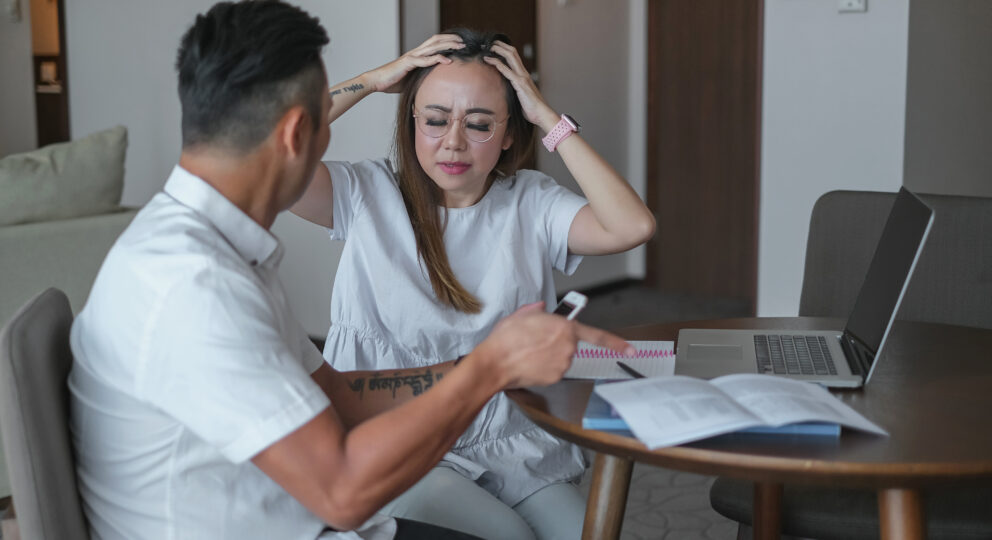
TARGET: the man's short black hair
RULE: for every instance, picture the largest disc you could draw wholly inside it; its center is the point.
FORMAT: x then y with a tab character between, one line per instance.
242	66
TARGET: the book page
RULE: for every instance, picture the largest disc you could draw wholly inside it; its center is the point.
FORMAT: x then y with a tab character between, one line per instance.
666	411
778	401
654	359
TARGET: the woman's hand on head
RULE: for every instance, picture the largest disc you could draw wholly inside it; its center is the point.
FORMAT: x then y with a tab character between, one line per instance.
389	78
536	110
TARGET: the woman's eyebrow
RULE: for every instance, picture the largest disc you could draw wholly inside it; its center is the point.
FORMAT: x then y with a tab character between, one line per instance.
473	110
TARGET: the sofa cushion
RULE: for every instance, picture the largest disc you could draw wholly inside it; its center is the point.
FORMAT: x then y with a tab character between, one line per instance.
65	180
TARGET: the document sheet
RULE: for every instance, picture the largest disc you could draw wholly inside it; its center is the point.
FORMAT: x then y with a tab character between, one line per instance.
667	411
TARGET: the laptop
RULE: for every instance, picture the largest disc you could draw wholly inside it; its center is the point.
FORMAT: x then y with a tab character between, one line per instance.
834	359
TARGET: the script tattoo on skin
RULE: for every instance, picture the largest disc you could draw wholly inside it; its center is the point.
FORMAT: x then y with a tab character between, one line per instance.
418	383
351	88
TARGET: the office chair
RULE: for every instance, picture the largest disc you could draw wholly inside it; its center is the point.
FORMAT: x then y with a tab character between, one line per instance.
952	284
34	419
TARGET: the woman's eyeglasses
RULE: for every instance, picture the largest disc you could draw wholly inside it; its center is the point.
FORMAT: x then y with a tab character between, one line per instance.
477	127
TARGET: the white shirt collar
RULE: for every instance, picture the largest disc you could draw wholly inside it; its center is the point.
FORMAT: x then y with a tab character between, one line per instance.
252	241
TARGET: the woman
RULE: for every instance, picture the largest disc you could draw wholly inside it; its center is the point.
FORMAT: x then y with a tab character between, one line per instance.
450	238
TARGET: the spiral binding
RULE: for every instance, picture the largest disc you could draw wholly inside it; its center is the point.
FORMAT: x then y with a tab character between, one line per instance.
601	352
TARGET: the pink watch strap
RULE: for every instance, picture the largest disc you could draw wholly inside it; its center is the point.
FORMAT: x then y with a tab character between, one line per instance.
560	132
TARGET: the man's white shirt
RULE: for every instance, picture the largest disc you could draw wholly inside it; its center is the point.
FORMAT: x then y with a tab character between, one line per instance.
187	364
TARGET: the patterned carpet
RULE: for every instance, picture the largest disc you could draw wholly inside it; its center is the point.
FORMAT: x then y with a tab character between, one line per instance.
663	504
670	505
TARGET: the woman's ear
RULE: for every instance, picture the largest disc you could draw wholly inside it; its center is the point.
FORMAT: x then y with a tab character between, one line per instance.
507	141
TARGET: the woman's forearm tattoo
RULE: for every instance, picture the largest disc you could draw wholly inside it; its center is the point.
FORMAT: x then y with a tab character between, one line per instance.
350	88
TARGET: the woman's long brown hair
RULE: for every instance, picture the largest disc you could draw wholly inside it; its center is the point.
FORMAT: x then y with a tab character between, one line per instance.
422	197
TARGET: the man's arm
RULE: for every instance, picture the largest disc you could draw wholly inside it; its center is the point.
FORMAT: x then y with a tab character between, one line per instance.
345	475
358	395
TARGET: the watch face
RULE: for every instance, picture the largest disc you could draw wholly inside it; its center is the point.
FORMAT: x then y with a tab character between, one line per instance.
568	118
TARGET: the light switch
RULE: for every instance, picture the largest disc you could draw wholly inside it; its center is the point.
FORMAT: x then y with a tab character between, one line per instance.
852	6
12	10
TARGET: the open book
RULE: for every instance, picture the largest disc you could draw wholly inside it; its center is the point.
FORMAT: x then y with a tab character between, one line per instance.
667	411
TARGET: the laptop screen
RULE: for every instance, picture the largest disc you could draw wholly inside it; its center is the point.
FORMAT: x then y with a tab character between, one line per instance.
895	257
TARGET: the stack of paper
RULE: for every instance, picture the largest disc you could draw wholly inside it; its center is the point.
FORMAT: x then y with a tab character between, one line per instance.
668	411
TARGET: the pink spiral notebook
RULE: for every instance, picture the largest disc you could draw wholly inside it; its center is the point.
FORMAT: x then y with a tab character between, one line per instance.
653	359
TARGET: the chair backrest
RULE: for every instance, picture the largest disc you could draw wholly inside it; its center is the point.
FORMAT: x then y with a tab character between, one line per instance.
34	419
952	283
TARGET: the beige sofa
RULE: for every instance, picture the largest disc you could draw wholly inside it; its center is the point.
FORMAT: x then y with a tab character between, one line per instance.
59	214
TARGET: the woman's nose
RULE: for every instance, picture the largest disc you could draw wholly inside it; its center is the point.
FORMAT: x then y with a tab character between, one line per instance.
455	137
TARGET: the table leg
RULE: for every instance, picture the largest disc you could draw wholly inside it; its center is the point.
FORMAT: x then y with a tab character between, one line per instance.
767	511
900	514
607	497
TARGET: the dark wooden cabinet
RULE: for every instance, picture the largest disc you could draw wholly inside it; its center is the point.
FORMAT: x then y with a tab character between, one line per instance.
51	99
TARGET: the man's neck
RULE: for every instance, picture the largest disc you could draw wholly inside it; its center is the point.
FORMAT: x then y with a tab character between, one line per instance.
249	181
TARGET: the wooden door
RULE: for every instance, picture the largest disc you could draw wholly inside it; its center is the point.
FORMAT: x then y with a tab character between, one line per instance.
515	18
704	94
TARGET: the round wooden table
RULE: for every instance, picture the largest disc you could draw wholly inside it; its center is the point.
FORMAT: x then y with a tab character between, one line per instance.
931	390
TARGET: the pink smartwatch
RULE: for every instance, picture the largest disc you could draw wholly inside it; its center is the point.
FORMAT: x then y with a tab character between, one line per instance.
565	127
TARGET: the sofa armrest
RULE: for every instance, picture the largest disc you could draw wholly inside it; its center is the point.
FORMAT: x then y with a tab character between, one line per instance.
65	254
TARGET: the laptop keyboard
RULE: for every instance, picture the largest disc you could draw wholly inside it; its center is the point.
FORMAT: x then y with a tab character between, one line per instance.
793	355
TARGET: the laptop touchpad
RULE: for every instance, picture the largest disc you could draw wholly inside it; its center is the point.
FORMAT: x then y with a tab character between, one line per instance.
714	353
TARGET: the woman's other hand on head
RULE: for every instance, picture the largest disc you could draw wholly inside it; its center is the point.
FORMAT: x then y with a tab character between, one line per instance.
536	110
389	78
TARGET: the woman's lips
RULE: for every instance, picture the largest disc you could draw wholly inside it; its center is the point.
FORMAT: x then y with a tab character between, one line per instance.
453	167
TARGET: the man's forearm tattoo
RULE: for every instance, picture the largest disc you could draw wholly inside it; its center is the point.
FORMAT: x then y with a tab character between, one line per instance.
351	88
357	385
418	383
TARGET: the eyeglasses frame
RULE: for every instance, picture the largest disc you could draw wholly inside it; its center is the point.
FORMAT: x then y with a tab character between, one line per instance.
460	120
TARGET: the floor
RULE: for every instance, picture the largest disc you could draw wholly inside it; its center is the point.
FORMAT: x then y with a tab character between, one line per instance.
662	504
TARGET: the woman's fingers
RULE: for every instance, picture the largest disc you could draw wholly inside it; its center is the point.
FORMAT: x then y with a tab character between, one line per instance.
438	43
509	53
390	76
518	80
430	60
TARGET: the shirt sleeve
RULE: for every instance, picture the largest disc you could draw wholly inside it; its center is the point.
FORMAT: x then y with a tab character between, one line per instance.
353	184
236	382
558	206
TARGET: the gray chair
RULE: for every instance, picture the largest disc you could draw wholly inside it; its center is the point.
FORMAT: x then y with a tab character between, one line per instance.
34	419
952	284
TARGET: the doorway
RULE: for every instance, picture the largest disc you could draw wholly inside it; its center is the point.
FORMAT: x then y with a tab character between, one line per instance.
704	134
50	76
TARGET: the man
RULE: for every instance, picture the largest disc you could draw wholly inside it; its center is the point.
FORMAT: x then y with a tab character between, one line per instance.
199	407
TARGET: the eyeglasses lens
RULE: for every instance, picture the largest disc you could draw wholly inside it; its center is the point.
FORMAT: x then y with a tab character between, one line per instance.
478	127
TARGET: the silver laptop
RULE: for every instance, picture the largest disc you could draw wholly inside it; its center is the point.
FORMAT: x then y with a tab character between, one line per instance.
831	358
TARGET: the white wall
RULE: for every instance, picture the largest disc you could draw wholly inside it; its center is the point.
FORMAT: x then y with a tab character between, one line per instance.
585	62
421	20
18	132
121	57
949	98
637	118
832	118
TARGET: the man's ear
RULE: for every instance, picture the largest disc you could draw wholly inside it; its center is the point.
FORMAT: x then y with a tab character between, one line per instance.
295	131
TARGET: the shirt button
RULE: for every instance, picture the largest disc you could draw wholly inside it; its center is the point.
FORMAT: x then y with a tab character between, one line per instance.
254	262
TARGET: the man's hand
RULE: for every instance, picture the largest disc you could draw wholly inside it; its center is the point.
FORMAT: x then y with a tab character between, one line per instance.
533	348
